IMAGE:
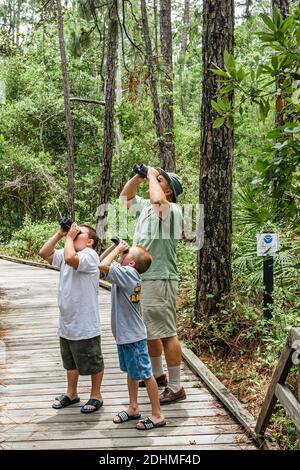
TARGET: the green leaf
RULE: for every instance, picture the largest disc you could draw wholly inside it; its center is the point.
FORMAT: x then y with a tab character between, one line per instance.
229	62
227	88
287	24
218	122
240	75
268	21
274	62
220	72
266	37
216	107
298	35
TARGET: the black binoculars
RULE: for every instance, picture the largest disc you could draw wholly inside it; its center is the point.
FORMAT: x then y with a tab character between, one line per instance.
116	240
141	170
66	224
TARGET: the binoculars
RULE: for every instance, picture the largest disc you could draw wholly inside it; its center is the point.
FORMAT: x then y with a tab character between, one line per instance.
66	224
141	170
116	240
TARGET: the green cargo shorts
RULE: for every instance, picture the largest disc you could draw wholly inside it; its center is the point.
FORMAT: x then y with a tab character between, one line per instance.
85	355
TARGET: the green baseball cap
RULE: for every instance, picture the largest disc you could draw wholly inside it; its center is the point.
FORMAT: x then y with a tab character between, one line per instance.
173	181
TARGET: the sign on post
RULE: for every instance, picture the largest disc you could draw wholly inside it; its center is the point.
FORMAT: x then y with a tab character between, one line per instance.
268	246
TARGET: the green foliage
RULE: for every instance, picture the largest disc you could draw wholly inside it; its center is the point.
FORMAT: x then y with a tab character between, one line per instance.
28	240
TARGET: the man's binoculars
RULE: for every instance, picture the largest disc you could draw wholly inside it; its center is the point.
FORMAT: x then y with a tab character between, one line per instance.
141	170
116	240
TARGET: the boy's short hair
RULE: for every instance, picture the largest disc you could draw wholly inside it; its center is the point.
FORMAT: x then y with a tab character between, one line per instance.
92	234
142	258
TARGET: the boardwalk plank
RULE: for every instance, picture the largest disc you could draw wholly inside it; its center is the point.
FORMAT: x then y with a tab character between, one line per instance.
33	375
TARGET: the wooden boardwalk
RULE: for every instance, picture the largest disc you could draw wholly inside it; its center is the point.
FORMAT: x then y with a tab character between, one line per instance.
32	375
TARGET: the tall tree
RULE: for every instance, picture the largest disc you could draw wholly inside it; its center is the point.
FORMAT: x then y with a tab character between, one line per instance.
214	262
183	49
167	84
281	97
69	123
109	125
283	8
153	83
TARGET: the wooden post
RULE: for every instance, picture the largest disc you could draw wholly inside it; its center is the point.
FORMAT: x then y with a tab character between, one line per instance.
277	390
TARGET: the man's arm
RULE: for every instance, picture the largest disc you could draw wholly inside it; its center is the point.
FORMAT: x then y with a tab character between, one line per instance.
70	255
130	189
158	198
106	262
47	251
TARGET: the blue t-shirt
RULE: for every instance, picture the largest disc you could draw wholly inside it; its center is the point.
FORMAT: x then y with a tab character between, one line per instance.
126	319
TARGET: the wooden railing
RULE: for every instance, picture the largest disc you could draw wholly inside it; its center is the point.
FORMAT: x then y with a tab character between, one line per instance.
290	357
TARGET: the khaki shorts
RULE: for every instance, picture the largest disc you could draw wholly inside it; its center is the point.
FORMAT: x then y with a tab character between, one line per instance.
85	355
159	308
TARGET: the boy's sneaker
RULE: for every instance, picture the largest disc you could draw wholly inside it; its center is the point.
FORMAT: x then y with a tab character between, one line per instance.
168	396
161	381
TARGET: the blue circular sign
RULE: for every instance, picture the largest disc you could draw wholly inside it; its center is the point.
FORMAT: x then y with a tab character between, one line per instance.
268	239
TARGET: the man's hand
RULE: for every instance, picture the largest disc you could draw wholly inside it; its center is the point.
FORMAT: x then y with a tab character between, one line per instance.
122	246
152	172
74	231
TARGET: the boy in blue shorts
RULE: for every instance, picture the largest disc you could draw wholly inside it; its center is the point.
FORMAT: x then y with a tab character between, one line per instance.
129	329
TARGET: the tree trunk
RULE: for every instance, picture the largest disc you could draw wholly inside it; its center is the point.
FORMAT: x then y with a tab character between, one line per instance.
169	163
69	124
283	7
214	263
280	119
247	9
119	137
155	26
183	49
153	84
109	130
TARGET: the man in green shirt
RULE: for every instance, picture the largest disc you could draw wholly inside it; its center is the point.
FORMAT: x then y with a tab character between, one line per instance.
158	229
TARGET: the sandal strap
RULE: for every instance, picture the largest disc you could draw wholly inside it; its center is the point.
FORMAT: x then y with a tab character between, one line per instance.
63	399
123	415
93	402
148	423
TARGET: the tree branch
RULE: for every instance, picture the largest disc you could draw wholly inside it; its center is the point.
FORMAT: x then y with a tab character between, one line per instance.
87	100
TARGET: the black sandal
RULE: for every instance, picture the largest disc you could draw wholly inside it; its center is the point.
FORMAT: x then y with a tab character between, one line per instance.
65	401
124	416
92	402
148	424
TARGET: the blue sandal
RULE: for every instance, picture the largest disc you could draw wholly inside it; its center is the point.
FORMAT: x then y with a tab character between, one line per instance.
92	402
65	401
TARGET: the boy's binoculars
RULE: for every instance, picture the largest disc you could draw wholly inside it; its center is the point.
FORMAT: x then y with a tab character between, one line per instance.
66	223
116	240
141	170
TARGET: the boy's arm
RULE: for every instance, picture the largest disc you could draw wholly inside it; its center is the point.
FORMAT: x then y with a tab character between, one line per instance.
70	255
47	251
107	251
106	262
130	189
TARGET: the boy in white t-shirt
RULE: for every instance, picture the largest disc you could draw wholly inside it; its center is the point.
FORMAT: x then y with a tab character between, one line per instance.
79	321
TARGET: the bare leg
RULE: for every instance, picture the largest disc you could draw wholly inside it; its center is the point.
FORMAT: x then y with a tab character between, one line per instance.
172	350
133	409
155	347
96	386
72	378
152	389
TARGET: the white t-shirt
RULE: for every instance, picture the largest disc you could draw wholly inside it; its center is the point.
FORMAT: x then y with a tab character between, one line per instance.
78	296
